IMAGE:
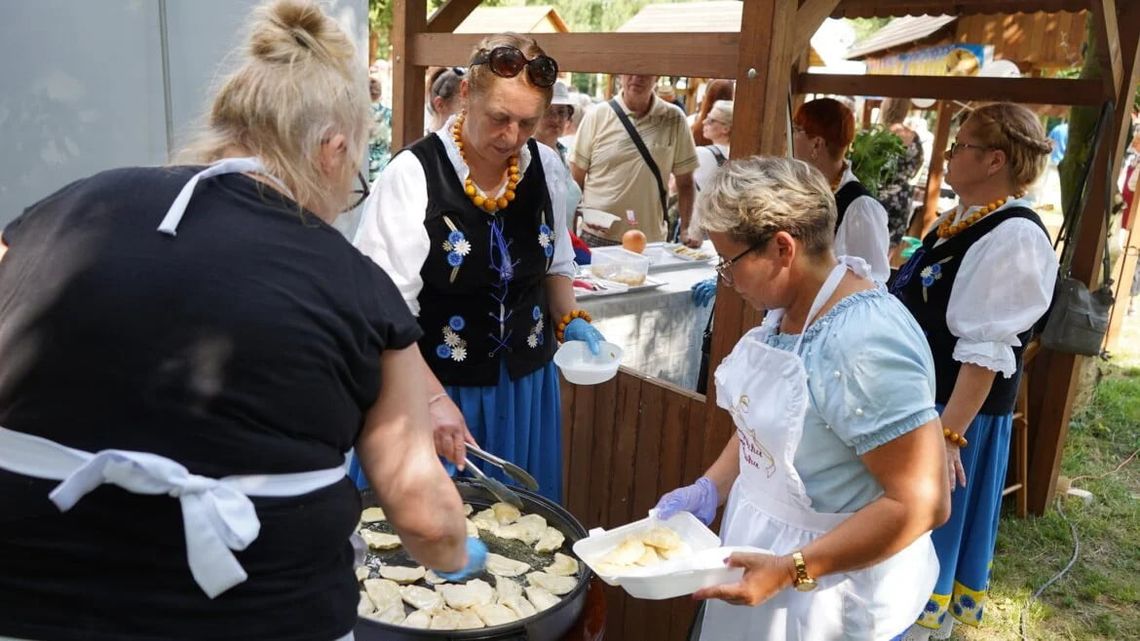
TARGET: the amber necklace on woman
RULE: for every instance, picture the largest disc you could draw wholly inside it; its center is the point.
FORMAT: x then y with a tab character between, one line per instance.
484	202
948	229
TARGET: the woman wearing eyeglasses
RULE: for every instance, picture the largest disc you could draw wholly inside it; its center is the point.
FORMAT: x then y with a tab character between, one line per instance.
823	131
470	222
979	283
186	355
836	467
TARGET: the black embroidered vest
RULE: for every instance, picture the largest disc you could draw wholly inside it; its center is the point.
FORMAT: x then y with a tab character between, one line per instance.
484	298
845	196
924	285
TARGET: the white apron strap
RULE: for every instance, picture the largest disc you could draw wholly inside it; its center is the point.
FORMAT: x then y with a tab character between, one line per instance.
217	515
251	165
825	293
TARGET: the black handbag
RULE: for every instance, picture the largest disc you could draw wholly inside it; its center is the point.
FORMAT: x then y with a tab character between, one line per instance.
1078	317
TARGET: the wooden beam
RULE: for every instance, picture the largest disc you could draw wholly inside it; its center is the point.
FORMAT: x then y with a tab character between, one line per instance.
706	55
409	18
1108	44
1040	91
810	15
450	15
1061	374
883	8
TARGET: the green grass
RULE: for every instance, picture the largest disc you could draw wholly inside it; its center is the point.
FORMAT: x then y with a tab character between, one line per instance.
1099	598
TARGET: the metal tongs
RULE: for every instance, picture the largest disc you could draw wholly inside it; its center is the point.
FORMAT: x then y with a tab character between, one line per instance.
501	491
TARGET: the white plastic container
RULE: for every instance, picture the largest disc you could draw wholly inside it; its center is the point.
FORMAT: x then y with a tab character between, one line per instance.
581	367
678	577
619	265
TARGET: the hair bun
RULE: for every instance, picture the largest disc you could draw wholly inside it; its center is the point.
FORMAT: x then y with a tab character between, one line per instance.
285	31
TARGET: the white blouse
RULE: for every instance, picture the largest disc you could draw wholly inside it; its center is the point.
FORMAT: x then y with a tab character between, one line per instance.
1004	284
702	176
392	231
864	232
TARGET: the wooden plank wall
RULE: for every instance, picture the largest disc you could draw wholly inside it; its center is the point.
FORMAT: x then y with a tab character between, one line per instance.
1032	40
625	443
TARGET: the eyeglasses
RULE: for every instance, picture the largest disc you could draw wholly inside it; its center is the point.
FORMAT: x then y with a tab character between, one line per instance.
508	62
724	267
954	147
361	192
564	112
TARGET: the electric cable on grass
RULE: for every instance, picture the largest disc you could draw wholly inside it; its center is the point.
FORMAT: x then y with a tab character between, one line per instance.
1056	577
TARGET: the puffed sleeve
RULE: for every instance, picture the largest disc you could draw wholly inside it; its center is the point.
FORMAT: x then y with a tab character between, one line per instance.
864	233
873	378
1004	285
557	183
392	231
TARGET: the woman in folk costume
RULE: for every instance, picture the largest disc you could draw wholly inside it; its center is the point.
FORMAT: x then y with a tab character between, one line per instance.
192	350
979	283
470	222
837	464
823	130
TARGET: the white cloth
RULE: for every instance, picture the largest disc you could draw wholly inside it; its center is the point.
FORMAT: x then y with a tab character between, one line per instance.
251	165
702	176
392	231
1004	284
864	232
765	390
217	515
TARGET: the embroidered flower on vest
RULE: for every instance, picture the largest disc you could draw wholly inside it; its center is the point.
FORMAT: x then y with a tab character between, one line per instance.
457	247
930	274
536	338
546	239
453	346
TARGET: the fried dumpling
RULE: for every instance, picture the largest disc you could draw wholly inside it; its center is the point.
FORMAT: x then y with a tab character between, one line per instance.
470	594
540	598
448	619
392	615
364	606
534	525
495	614
507	589
552	583
650	557
467	509
627	553
520	606
421	598
563	565
402	574
551	540
372	515
362	572
382	592
502	566
675	553
434	579
472	529
380	540
419	619
485	520
662	538
505	513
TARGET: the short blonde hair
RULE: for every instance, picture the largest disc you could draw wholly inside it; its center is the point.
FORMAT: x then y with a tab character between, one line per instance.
298	83
480	78
1017	131
751	199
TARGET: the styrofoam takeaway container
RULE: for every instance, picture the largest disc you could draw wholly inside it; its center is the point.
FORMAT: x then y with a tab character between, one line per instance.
678	577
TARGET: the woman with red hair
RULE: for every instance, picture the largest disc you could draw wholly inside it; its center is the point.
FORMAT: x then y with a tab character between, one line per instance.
824	129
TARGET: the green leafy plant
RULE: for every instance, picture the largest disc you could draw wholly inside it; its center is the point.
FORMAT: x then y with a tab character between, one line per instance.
874	156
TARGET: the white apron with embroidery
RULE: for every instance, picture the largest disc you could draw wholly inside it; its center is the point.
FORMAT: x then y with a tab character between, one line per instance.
765	390
217	515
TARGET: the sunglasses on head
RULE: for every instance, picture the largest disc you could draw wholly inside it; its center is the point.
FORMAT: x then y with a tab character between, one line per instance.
508	62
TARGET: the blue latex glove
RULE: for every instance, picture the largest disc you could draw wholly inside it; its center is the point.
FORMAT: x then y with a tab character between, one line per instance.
703	292
700	498
580	330
476	559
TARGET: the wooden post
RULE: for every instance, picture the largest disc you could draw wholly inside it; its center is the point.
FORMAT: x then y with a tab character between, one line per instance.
763	81
409	17
1060	371
920	224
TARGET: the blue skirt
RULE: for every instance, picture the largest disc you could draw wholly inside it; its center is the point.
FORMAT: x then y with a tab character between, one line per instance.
965	543
519	420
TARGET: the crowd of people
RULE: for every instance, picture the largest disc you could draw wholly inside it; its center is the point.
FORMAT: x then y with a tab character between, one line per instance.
221	348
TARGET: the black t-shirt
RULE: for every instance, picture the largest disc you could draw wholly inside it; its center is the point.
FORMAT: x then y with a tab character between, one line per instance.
250	343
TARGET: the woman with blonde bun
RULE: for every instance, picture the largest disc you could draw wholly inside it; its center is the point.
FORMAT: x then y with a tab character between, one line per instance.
980	282
188	352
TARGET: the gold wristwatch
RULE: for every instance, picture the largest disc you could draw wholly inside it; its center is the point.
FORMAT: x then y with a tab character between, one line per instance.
803	581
